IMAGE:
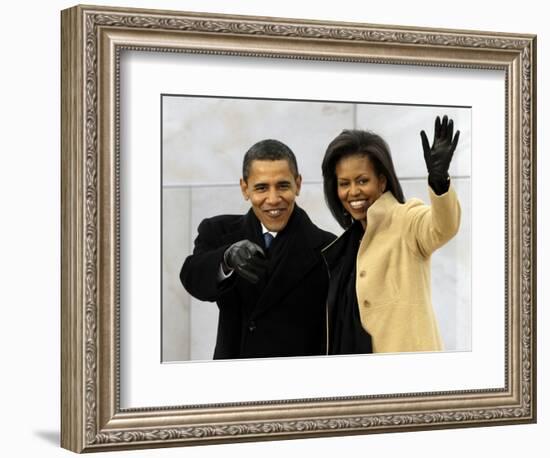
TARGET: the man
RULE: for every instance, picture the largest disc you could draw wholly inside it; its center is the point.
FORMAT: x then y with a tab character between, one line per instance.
271	294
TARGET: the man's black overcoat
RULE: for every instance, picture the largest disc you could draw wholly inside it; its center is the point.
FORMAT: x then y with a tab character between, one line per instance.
285	313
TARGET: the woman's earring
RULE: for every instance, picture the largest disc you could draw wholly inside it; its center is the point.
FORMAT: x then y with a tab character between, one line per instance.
347	216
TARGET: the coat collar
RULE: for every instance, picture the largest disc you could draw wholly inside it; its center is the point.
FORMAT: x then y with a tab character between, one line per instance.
289	266
377	215
297	257
249	227
338	248
246	227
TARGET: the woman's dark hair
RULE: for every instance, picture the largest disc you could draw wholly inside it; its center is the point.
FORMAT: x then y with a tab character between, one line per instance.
351	143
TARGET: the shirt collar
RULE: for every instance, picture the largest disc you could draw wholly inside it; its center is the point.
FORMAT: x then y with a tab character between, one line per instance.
264	230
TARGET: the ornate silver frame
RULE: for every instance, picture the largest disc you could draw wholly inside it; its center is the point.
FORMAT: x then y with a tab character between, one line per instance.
92	39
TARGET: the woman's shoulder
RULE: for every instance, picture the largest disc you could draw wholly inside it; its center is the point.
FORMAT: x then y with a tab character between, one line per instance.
411	206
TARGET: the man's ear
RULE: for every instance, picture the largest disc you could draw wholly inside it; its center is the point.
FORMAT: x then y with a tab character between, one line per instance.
298	181
244	188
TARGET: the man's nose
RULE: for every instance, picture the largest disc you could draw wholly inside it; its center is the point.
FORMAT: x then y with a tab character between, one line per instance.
273	196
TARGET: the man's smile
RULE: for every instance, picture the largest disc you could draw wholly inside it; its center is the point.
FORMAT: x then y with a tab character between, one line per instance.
275	213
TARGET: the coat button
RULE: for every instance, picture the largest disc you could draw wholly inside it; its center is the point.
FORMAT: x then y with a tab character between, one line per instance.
362	273
366	303
252	326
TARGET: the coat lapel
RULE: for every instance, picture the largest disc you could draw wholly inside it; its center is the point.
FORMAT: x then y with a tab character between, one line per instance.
249	228
343	248
377	217
290	261
246	228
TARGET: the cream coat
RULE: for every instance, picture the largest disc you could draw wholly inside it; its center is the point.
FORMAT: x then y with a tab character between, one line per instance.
393	270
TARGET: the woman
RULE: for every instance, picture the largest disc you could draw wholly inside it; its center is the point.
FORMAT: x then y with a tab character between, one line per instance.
379	297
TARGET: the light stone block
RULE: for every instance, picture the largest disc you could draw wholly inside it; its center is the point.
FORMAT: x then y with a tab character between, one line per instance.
205	139
400	126
176	244
312	200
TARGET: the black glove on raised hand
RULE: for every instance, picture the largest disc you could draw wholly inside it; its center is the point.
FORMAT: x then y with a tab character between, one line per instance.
438	156
247	259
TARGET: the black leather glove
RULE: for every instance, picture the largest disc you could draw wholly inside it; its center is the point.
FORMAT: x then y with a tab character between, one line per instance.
438	156
247	259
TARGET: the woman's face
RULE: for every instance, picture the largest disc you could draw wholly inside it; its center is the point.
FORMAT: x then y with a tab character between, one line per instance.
358	185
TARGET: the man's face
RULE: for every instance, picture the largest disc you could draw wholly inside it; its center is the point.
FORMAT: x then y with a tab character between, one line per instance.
272	189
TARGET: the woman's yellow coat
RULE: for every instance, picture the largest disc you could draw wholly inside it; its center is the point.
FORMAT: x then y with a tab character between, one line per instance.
393	270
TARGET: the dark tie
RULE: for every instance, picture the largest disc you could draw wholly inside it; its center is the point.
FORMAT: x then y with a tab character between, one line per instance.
268	238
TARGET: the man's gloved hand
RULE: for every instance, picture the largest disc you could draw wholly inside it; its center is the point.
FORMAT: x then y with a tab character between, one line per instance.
438	156
247	259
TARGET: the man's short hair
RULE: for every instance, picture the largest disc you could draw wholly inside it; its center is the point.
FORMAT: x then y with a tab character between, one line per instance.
269	150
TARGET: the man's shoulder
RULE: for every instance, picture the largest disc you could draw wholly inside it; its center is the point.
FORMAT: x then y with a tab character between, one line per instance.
223	219
221	223
314	233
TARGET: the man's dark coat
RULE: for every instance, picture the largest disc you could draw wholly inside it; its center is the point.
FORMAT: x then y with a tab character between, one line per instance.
285	313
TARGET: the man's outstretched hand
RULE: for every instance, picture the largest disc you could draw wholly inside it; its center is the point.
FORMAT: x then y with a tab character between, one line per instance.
247	259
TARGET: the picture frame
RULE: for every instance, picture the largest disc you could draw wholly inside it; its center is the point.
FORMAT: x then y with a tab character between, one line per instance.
93	39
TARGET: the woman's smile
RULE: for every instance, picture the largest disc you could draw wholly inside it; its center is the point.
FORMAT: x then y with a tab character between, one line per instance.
358	185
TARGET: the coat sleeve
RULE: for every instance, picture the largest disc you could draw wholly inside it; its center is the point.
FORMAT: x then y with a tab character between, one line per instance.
430	227
200	271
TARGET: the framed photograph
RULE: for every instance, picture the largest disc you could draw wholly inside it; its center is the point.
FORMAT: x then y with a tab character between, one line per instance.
190	178
158	110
